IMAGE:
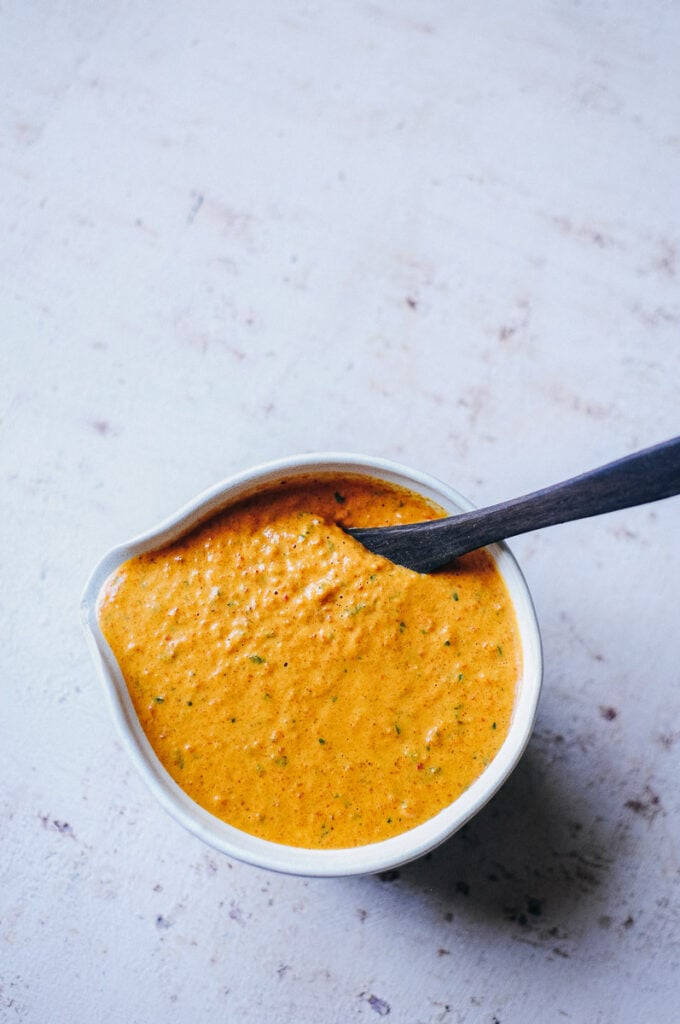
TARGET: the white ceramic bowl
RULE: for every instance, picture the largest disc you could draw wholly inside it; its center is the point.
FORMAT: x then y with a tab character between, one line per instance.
374	857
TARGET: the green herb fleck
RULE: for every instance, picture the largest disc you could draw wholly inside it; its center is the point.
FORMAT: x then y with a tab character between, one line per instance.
454	595
397	729
447	643
322	741
257	659
159	700
340	498
402	627
190	703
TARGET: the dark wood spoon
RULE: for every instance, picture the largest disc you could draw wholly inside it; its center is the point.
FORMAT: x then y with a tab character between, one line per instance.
645	476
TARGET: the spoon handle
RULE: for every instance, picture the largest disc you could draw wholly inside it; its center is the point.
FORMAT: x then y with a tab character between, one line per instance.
645	476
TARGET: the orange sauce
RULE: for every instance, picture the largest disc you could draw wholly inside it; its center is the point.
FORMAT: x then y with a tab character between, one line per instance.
303	689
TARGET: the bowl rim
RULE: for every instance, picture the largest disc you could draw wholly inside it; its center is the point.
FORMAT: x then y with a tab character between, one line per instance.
368	859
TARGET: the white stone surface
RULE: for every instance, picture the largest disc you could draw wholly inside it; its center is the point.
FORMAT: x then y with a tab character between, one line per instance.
443	232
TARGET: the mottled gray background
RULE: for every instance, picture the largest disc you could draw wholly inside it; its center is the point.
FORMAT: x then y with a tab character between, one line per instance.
443	232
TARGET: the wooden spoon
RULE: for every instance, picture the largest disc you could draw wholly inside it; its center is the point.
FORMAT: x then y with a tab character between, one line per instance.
645	476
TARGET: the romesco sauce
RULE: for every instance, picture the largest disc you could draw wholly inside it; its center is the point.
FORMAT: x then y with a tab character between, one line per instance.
302	688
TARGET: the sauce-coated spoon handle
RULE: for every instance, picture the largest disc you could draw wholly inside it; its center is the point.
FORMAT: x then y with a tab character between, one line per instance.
645	476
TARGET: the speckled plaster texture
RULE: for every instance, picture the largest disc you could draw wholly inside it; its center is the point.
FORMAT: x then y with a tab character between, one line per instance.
446	233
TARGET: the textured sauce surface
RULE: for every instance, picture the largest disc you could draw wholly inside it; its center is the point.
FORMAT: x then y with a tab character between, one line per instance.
303	689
